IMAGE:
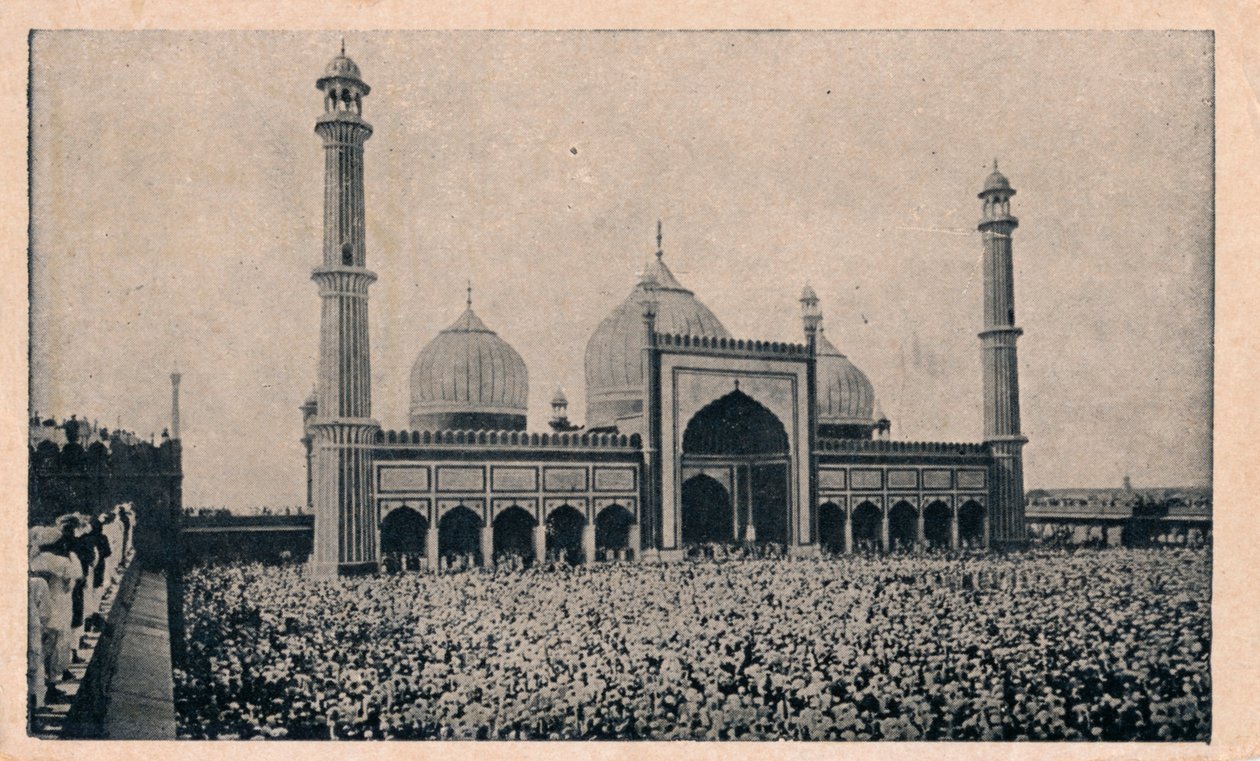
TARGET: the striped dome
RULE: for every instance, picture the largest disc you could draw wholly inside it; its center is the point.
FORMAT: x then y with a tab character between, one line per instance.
469	378
614	354
845	395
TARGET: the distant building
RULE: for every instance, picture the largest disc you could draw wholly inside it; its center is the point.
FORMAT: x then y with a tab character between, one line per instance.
692	436
1167	515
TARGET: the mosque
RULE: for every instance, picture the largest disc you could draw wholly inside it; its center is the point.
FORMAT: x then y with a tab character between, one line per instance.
692	435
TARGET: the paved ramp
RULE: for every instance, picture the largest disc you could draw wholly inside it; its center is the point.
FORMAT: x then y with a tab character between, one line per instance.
142	691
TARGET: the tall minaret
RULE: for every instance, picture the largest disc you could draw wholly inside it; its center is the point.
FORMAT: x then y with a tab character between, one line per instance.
1001	374
175	376
343	429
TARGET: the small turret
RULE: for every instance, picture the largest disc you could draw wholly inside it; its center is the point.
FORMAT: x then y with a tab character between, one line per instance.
560	413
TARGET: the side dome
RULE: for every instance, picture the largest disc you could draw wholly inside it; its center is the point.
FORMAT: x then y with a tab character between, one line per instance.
469	379
614	354
846	398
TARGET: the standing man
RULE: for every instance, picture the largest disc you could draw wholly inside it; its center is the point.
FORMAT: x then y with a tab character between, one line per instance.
99	543
38	610
73	543
124	515
60	569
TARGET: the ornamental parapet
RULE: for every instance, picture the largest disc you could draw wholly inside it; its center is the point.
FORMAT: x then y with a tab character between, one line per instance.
736	345
516	439
879	446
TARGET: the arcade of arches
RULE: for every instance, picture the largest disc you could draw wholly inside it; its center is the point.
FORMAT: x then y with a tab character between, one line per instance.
407	544
461	539
738	438
902	527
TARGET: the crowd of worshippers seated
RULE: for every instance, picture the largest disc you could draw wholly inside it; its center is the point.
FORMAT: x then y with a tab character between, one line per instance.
1043	645
71	566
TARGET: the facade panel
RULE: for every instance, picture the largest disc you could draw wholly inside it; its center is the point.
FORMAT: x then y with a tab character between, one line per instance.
408	479
461	478
513	479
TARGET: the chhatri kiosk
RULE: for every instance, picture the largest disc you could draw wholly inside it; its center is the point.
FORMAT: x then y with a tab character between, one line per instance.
693	436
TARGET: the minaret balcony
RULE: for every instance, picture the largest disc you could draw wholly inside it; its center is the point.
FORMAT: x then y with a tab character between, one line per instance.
341	279
342	116
1001	331
1000	219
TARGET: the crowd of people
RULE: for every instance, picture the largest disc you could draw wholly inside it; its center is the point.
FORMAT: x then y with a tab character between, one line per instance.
1049	644
72	565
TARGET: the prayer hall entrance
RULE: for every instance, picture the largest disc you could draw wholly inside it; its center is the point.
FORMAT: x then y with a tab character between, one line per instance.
735	461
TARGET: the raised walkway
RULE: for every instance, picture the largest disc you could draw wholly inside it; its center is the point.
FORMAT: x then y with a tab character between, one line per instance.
141	694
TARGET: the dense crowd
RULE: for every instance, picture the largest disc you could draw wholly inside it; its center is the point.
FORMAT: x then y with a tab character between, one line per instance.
71	566
1048	644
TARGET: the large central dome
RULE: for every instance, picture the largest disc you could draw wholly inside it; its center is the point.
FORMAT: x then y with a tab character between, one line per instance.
614	355
468	378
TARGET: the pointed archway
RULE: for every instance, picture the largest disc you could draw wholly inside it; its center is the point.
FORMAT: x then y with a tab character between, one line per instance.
902	526
831	527
735	425
739	433
866	526
403	531
403	539
459	535
971	518
564	534
612	529
514	534
936	525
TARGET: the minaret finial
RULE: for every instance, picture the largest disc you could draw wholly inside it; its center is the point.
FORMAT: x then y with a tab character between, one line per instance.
659	251
470	294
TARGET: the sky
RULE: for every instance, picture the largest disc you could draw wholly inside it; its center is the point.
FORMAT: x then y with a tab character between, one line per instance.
177	213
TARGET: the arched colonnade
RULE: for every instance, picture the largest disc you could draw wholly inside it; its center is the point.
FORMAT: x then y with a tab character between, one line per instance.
462	539
894	525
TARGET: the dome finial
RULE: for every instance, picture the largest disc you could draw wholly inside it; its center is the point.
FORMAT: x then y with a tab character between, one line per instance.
343	45
659	251
469	300
995	163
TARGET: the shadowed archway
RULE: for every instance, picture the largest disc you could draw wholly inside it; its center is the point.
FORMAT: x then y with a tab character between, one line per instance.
866	526
902	526
564	534
736	425
831	527
514	534
403	532
459	534
936	525
738	432
612	529
971	518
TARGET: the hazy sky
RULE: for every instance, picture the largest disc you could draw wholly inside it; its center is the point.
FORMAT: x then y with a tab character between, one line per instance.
177	213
